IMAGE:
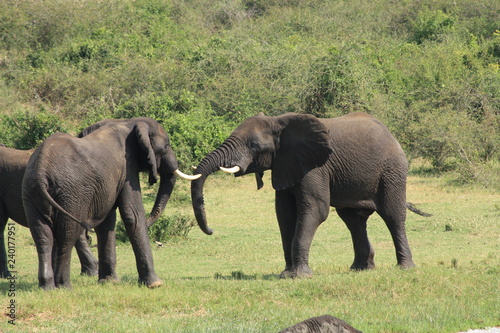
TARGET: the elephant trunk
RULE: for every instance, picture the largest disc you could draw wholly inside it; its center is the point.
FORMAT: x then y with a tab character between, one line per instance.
167	166
167	182
207	166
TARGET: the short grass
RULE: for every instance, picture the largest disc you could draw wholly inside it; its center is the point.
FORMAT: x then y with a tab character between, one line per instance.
228	282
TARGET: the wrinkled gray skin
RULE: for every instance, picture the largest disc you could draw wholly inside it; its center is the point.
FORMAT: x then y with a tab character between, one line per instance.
13	163
321	324
351	163
72	184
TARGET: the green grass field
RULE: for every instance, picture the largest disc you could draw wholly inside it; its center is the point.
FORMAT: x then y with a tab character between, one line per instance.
228	282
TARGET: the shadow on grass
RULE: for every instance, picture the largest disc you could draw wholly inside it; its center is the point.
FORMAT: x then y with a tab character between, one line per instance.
15	285
236	275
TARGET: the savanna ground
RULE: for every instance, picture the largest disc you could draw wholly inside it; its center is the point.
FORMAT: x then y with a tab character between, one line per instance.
228	282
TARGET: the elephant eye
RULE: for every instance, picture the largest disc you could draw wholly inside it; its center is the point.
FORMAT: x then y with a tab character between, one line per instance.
254	145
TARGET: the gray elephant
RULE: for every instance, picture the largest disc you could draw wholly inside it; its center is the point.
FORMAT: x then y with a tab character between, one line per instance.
321	324
13	163
352	163
72	184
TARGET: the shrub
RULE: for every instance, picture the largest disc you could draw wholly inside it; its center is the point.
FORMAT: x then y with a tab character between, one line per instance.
430	24
165	228
26	130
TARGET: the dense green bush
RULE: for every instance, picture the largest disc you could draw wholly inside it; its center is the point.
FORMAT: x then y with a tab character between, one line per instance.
25	130
429	69
166	227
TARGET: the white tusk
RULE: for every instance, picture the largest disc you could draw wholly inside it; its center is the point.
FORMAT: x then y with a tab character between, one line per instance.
184	176
234	169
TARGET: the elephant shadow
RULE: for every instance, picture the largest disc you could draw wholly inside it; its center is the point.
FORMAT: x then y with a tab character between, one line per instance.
13	286
235	276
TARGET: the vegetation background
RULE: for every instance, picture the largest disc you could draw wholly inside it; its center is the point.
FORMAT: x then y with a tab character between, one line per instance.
429	69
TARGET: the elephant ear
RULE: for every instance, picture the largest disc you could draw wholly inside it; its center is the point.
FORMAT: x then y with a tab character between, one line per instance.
143	132
303	145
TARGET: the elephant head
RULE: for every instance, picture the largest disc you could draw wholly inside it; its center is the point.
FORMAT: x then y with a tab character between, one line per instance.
289	145
157	157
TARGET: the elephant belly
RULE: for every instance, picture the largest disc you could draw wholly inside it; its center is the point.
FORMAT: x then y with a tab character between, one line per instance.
352	197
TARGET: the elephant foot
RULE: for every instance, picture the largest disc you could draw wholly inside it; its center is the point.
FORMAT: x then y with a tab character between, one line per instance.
297	272
362	267
47	285
89	271
5	275
109	279
364	264
155	284
406	264
152	281
65	285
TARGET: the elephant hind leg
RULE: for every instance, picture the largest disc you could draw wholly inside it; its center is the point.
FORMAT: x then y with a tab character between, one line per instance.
355	220
106	244
87	260
395	221
44	241
4	270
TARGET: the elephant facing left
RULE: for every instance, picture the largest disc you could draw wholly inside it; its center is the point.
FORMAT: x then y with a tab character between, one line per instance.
72	184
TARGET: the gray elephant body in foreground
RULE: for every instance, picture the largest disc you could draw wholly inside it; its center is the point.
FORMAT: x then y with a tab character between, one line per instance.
72	184
13	164
352	163
321	324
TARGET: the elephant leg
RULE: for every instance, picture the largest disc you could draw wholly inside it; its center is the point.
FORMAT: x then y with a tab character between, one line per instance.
66	234
106	245
44	240
286	213
4	270
355	220
394	219
87	260
311	211
135	224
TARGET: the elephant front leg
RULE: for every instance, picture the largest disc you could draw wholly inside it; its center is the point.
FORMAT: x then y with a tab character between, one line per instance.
310	211
286	213
355	221
135	224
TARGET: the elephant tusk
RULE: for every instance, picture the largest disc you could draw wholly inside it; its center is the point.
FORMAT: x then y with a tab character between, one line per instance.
184	176
234	169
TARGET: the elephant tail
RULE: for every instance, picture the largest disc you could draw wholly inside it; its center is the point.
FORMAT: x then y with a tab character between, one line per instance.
43	191
414	209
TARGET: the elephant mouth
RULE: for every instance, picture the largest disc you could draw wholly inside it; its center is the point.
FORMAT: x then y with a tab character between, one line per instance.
235	170
238	171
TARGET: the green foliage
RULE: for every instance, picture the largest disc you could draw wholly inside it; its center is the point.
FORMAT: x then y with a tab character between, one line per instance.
428	69
430	24
26	130
165	228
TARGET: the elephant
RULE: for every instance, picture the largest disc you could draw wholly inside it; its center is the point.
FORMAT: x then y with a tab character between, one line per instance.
76	183
351	163
321	324
13	164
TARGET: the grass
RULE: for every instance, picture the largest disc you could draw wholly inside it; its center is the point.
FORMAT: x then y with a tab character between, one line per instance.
228	282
